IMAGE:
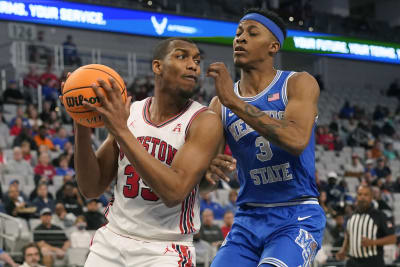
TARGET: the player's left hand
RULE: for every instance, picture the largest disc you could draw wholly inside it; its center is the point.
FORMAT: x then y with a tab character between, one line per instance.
223	83
219	168
114	111
366	242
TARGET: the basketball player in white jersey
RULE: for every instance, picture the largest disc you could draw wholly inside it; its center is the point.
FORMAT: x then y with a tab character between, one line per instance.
159	149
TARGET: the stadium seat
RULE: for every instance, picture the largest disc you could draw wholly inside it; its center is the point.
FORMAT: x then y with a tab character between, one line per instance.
77	256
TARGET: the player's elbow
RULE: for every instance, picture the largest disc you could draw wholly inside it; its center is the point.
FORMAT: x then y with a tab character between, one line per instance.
90	194
173	198
297	148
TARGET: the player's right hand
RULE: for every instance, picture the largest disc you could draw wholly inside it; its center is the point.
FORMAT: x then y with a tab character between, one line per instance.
341	255
221	166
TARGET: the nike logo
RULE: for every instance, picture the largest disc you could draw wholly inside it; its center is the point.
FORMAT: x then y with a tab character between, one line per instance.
302	218
230	114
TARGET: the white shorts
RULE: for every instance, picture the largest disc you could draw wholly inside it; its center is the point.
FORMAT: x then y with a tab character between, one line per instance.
113	250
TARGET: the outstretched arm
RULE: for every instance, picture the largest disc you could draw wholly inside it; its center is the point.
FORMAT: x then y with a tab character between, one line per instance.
293	132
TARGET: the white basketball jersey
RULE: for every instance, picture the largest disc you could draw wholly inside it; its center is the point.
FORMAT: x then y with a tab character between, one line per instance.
136	210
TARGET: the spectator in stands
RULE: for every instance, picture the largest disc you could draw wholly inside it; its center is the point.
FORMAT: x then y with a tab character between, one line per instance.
34	120
60	138
228	222
80	237
381	169
50	90
31	79
377	150
63	168
338	230
32	256
369	167
45	115
389	152
207	203
4	131
334	192
355	169
94	218
60	191
25	135
42	200
72	199
325	138
27	153
396	185
16	128
347	111
232	197
44	171
15	182
70	52
204	251
20	114
50	238
39	51
42	139
15	204
12	95
321	184
62	218
209	231
381	204
7	259
106	196
48	75
18	166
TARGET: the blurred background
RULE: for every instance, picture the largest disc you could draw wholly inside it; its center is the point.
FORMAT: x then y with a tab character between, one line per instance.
352	47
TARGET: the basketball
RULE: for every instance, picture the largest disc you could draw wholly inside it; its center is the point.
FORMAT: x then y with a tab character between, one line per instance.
78	88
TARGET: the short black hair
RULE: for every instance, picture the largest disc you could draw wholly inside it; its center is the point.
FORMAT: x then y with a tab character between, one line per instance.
161	49
270	15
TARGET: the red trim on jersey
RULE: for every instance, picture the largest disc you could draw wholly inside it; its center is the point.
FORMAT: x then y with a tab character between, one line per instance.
186	224
193	117
185	257
146	113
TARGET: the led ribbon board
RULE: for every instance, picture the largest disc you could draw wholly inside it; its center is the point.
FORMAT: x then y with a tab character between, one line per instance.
127	21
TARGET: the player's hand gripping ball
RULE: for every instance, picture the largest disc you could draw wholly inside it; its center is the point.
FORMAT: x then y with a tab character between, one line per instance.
77	88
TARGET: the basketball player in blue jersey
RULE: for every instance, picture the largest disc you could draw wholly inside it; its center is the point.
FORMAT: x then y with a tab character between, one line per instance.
269	120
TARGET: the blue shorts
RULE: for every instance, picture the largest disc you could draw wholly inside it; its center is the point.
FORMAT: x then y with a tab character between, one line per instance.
279	236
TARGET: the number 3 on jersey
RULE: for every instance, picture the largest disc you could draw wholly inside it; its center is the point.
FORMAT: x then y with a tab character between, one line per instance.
265	149
132	186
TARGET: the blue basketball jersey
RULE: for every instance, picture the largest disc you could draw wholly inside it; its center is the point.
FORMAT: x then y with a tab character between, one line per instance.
267	173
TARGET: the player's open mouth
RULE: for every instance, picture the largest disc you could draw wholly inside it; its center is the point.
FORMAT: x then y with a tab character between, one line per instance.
190	77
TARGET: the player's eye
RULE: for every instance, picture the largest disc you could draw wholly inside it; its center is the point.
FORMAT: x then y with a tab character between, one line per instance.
180	56
197	61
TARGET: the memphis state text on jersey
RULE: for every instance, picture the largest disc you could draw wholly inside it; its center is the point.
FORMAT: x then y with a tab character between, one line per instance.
267	173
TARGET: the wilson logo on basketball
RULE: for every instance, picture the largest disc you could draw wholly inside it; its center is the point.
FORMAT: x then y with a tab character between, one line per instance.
76	101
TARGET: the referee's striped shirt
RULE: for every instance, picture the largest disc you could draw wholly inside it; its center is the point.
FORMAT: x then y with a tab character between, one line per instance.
372	224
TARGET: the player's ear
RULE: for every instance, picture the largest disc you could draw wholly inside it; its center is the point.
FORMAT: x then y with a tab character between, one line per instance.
274	47
157	66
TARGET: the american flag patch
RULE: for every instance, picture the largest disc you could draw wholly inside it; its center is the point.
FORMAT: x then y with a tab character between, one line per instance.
273	97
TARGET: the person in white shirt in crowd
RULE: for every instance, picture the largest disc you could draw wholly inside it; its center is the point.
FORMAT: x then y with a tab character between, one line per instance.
18	165
62	218
80	237
355	168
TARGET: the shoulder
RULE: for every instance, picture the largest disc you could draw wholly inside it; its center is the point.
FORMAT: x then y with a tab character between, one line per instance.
206	123
302	83
215	105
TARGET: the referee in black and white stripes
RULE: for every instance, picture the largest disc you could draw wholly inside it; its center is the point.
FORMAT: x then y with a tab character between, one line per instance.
367	231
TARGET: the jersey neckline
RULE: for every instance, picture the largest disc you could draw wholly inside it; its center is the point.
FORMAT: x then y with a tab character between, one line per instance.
146	113
263	92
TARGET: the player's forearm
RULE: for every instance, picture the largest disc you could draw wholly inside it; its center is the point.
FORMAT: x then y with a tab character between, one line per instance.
282	133
168	184
387	240
86	165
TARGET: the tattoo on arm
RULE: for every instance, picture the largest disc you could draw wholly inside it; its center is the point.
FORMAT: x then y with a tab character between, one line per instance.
254	112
